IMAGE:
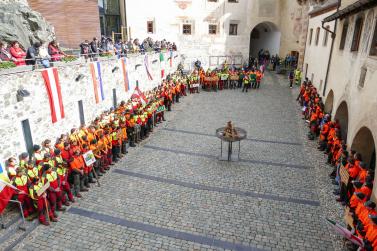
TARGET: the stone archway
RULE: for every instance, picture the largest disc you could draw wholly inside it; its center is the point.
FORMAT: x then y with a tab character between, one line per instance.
329	102
364	144
266	36
342	115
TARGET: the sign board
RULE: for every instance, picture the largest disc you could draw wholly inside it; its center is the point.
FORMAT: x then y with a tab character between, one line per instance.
348	219
194	86
224	77
211	79
89	158
344	175
234	77
161	108
43	189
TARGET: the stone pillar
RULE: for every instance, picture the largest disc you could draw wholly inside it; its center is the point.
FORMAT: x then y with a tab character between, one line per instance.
303	36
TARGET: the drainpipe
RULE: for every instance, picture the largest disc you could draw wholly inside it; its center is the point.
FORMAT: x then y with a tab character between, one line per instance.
332	47
125	20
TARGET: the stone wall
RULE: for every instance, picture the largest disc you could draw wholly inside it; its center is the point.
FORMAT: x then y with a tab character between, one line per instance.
36	108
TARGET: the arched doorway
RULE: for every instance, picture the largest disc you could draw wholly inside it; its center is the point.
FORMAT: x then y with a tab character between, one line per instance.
329	102
264	36
342	115
363	143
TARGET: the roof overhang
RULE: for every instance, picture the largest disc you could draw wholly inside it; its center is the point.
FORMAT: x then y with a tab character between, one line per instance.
323	9
356	7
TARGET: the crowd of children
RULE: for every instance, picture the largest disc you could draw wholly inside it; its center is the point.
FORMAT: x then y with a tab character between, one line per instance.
351	175
55	173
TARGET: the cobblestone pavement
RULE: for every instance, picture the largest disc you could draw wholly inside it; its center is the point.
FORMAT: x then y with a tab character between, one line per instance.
171	192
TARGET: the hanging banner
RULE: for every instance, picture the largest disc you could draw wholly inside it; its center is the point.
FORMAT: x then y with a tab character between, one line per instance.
54	93
123	63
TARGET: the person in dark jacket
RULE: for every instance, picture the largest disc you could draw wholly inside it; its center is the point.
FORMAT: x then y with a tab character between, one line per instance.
4	52
85	49
32	54
95	48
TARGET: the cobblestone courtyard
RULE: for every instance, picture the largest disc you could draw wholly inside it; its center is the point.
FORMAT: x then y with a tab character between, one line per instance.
171	192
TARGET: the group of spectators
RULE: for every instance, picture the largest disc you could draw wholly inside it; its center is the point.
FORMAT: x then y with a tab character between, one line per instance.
38	52
226	78
106	46
61	166
45	53
350	173
276	62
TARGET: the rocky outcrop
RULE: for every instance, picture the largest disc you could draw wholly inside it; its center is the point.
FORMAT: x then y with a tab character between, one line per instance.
20	23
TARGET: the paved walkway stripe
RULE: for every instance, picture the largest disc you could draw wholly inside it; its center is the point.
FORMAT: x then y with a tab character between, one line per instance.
249	139
161	231
33	226
218	189
215	157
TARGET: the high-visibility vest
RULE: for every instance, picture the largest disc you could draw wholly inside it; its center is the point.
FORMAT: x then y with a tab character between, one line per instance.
114	136
60	169
50	162
38	158
59	159
20	181
297	74
23	163
33	190
51	177
32	172
12	170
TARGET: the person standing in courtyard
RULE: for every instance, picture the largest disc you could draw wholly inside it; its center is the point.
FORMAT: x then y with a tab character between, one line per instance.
246	83
291	78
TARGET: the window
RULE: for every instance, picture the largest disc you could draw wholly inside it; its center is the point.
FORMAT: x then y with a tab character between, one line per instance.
326	36
150	27
186	29
109	12
373	47
212	29
363	74
344	36
233	29
310	36
212	1
232	1
317	36
357	34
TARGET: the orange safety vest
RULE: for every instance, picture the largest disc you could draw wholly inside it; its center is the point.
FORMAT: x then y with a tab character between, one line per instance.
77	163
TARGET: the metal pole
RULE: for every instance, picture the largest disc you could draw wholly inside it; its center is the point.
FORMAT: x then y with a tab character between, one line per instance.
22	227
221	150
333	34
239	149
229	150
2	221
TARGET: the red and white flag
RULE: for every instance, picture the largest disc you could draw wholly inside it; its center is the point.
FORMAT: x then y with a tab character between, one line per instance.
54	92
140	96
6	189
